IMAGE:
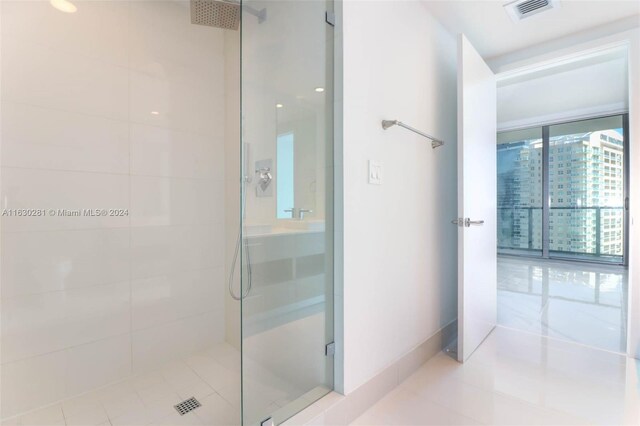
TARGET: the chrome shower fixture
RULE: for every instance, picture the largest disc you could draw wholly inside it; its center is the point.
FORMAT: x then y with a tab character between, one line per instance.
216	13
265	177
225	14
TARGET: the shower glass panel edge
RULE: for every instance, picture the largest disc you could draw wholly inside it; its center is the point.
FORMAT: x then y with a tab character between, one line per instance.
287	260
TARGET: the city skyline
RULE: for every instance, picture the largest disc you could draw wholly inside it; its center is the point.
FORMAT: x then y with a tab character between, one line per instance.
586	193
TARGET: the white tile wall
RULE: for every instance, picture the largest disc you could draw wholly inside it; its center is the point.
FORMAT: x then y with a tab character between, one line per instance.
45	261
63	140
160	250
46	322
162	152
162	299
157	201
155	346
87	301
37	75
47	189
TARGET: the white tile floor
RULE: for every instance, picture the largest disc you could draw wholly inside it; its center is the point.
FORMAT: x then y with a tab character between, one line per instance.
517	378
573	301
211	376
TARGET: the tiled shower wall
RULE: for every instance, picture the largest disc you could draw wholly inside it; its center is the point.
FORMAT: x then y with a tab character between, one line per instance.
117	106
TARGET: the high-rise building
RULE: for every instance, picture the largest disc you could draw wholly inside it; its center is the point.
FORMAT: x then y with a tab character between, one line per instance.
586	194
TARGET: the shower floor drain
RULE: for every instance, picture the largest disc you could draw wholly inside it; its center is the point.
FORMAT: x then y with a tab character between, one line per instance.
187	405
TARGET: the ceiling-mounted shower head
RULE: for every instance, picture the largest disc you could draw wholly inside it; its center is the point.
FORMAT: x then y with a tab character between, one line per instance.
216	13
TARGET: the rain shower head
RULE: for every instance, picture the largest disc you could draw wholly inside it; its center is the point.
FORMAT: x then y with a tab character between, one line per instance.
223	14
215	13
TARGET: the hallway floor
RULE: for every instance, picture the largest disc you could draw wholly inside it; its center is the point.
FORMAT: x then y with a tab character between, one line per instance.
516	378
572	301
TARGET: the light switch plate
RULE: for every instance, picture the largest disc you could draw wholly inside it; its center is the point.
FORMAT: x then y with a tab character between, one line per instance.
375	172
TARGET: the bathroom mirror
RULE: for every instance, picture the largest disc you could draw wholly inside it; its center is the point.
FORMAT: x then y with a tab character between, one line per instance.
300	144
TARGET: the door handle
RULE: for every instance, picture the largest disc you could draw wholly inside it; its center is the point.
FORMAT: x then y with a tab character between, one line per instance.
468	222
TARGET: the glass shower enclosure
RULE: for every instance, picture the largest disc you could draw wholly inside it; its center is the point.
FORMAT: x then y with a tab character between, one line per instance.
166	228
287	278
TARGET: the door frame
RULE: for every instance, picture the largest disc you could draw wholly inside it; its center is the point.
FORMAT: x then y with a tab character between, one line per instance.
629	41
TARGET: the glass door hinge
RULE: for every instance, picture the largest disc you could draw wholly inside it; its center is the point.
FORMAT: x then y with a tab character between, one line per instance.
267	422
330	349
330	18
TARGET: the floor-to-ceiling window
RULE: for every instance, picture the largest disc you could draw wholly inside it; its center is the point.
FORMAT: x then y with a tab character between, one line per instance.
562	190
520	191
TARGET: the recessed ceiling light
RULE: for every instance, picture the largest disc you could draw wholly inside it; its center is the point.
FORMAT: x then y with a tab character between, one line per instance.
279	105
155	113
319	89
64	6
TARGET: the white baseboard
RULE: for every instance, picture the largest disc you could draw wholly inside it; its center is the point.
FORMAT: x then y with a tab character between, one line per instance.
338	410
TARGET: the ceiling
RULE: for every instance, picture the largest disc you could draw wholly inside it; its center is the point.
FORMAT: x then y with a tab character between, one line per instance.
489	28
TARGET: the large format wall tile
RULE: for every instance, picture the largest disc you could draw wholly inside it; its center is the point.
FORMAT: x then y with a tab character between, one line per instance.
161	250
32	382
156	151
155	346
179	103
35	75
63	140
42	189
160	300
40	380
117	106
103	26
47	322
160	37
157	201
97	364
45	261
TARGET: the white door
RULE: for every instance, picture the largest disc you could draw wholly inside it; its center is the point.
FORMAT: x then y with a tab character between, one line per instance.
477	281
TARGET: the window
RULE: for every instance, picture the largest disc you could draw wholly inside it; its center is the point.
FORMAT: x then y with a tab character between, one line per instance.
284	183
519	160
579	154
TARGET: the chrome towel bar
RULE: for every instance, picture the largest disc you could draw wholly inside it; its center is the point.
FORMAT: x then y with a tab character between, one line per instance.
435	142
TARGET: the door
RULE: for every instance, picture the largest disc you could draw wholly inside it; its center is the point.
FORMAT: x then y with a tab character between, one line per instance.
287	266
477	208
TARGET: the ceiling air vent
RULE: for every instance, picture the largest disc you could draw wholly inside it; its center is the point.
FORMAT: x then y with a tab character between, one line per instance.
520	9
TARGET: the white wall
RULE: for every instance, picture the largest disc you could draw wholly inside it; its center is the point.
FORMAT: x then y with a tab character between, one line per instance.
90	300
564	93
570	48
399	245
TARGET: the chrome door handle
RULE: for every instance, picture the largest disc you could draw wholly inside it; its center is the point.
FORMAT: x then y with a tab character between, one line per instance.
468	222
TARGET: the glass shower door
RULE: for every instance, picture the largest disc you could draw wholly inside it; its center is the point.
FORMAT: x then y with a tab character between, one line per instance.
287	274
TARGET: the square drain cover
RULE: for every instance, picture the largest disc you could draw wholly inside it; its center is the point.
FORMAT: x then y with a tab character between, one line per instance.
187	405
